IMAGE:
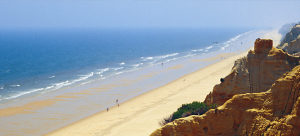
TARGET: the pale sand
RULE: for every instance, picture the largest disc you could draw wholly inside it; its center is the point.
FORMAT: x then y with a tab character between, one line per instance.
139	116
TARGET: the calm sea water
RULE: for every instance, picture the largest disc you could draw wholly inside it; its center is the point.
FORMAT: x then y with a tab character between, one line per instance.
38	61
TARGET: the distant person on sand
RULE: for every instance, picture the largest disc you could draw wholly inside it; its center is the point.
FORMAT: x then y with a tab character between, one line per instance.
117	101
118	105
107	109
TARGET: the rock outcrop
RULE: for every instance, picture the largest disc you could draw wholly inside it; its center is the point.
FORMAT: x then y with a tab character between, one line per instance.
291	41
286	28
274	112
254	73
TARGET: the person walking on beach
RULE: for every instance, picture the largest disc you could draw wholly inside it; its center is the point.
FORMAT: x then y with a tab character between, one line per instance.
117	101
107	109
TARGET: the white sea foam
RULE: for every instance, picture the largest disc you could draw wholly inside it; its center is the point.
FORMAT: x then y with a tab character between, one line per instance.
84	77
86	82
57	85
189	55
51	76
235	38
122	63
209	47
171	59
7	71
15	85
136	65
119	73
134	69
23	93
174	54
115	69
226	45
198	50
157	58
54	86
149	58
168	55
102	71
230	41
49	87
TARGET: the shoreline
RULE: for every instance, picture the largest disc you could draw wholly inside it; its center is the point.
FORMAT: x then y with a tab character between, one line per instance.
61	109
140	115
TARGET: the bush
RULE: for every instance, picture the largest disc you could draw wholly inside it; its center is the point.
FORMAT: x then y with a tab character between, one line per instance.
194	108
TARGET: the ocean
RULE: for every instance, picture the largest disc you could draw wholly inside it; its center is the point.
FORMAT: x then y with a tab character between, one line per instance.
101	64
39	61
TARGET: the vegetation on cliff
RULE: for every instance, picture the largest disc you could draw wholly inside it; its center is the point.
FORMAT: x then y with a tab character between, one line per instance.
194	108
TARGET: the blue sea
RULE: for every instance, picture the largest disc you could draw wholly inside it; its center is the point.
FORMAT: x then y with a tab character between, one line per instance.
37	61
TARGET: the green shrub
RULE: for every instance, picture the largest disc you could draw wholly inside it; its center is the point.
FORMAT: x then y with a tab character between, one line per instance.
194	108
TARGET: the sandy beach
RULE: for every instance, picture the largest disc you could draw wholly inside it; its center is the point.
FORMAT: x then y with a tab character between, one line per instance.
140	115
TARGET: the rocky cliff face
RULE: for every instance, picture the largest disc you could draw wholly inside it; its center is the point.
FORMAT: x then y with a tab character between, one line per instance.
286	28
274	112
254	73
291	42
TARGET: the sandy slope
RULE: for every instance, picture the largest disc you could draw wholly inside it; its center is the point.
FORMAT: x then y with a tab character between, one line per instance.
140	115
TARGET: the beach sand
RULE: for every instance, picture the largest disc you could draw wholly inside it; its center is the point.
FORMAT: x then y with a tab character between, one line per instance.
140	115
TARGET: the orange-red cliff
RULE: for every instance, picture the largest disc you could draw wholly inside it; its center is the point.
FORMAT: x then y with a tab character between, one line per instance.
274	112
254	73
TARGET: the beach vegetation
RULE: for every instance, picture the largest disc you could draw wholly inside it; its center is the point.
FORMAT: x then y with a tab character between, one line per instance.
194	108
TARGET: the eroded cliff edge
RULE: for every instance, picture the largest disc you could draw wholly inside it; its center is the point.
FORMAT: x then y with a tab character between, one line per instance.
291	41
274	112
254	73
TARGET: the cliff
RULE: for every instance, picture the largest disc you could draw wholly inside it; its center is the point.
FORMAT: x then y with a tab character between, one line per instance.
286	28
274	112
291	41
254	73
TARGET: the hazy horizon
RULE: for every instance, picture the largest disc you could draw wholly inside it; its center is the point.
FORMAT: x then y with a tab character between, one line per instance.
149	13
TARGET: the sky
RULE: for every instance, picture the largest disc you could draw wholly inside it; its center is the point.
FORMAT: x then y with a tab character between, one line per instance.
146	13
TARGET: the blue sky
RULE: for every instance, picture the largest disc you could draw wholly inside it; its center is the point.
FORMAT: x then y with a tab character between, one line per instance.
146	13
